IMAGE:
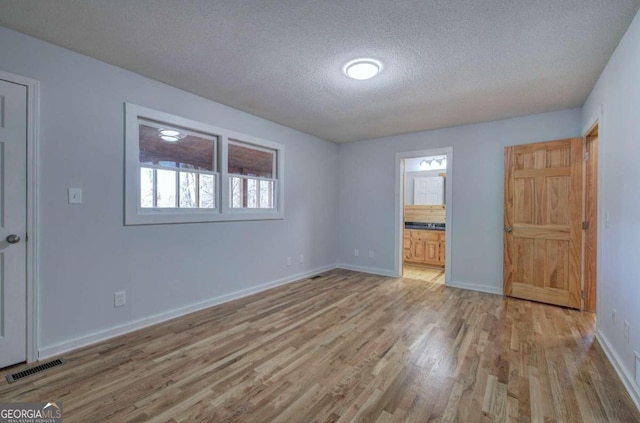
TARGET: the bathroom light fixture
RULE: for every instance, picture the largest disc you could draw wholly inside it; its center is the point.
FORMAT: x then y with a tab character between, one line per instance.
362	69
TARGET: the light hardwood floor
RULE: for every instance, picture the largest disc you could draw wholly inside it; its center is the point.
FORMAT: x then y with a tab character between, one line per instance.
345	347
423	273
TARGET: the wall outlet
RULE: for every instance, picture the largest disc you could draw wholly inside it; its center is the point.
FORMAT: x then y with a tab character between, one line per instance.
637	368
606	219
356	252
301	258
371	254
613	316
288	261
75	195
120	299
626	331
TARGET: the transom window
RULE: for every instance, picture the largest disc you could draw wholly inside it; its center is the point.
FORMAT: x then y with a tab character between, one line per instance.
180	171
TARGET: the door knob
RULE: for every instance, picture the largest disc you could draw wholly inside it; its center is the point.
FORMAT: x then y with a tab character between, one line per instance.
13	239
508	229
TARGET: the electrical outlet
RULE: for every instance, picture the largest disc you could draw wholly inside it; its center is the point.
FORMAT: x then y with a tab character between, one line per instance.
356	252
301	258
120	299
606	219
288	261
626	331
371	254
613	316
75	195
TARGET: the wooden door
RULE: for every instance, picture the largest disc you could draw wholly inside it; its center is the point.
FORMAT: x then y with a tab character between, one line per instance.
543	222
13	223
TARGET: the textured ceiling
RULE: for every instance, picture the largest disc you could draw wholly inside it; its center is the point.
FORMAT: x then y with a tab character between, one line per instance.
446	62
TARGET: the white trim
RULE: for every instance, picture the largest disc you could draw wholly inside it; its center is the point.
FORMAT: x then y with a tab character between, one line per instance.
135	215
627	379
364	269
103	335
399	226
497	290
33	143
597	118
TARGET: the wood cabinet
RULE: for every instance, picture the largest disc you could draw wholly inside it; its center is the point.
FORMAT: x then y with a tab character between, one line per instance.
424	247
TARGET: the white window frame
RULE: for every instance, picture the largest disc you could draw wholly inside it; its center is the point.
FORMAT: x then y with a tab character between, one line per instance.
134	214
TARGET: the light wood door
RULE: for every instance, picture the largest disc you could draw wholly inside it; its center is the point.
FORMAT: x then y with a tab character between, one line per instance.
543	221
13	222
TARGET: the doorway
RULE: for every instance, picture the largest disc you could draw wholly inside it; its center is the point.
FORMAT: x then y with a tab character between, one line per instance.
423	214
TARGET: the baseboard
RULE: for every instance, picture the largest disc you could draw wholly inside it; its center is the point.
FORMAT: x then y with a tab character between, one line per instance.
363	269
476	287
627	379
103	335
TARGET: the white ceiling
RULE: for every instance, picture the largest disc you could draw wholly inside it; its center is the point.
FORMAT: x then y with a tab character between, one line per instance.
446	62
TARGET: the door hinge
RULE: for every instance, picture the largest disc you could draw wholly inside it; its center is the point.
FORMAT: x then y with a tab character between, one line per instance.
585	225
584	294
26	237
586	156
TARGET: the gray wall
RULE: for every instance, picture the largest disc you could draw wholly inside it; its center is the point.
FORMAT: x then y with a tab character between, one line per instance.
367	193
86	254
618	93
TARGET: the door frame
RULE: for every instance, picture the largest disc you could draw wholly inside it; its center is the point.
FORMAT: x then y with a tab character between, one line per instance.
32	206
399	198
589	125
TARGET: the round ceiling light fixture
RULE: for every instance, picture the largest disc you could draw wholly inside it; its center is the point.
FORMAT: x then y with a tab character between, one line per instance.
170	135
362	69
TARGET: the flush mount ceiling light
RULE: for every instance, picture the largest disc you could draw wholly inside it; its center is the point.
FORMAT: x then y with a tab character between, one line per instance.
362	69
170	135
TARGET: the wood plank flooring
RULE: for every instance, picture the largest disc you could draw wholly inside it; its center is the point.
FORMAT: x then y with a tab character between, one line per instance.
429	274
342	348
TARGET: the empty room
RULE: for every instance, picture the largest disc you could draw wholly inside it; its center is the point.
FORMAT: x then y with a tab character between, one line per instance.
336	211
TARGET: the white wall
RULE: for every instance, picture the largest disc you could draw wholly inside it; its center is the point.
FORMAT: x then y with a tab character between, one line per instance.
367	193
86	254
618	92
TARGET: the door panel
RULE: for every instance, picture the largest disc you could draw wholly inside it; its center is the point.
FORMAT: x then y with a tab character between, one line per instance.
13	221
543	218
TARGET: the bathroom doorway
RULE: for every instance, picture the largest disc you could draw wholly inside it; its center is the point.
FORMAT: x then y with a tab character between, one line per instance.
423	215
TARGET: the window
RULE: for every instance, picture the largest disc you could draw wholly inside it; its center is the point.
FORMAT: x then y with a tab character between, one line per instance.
177	167
180	171
251	176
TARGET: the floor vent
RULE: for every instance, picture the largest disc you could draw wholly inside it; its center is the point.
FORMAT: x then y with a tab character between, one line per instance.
32	371
315	277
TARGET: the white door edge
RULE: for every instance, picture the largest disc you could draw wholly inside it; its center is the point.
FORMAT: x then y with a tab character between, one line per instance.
33	120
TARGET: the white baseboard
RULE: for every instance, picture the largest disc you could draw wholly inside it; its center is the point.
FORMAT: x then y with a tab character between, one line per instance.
627	379
103	335
363	269
476	287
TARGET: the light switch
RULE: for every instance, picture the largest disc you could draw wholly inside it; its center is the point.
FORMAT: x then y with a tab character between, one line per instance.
75	195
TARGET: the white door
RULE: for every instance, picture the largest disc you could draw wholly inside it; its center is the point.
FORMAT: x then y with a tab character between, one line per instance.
13	223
